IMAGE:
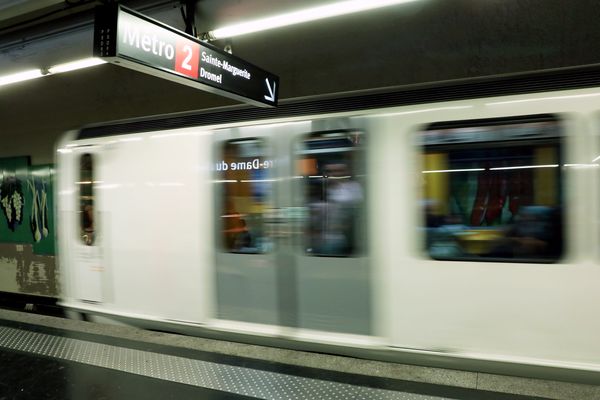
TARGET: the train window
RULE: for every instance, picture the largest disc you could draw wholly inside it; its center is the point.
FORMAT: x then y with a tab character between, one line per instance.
86	199
332	167
493	190
244	173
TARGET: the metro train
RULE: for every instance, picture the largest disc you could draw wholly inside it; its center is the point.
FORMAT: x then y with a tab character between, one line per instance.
457	220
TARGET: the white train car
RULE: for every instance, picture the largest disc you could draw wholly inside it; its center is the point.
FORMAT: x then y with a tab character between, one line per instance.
457	221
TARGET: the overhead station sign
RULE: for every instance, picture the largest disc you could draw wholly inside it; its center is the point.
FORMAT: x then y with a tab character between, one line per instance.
130	39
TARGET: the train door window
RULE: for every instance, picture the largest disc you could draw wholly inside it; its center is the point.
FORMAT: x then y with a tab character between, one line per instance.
493	189
86	199
331	165
244	171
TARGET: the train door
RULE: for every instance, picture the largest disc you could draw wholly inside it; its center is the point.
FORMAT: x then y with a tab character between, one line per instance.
332	270
86	243
291	233
246	275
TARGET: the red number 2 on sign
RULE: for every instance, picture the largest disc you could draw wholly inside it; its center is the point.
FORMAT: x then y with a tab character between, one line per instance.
187	58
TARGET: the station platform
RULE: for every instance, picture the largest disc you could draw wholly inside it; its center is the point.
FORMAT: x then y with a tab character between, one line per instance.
43	357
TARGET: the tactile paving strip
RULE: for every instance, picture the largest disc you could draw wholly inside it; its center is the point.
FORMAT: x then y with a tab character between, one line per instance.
226	378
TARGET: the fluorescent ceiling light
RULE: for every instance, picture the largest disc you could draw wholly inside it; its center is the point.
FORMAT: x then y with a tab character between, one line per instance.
436	171
296	17
38	73
20	76
73	65
525	167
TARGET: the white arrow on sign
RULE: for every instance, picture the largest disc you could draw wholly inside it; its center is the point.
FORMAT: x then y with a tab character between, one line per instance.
271	96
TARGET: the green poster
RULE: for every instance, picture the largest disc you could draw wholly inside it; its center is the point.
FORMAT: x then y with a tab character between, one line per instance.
41	208
13	200
27	204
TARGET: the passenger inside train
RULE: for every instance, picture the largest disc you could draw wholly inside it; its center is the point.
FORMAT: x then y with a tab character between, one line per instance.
334	195
86	199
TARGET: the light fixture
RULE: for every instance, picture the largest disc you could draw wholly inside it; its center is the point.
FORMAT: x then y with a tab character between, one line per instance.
296	17
38	73
525	167
20	76
74	65
436	171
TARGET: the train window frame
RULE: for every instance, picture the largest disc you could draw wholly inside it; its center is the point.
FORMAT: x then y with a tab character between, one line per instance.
298	148
517	137
87	210
269	246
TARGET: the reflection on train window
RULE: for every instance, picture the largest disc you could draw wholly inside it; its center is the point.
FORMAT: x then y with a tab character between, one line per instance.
493	190
332	168
244	174
86	199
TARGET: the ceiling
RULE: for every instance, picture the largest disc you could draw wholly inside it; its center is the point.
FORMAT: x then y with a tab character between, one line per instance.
10	10
42	33
422	41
